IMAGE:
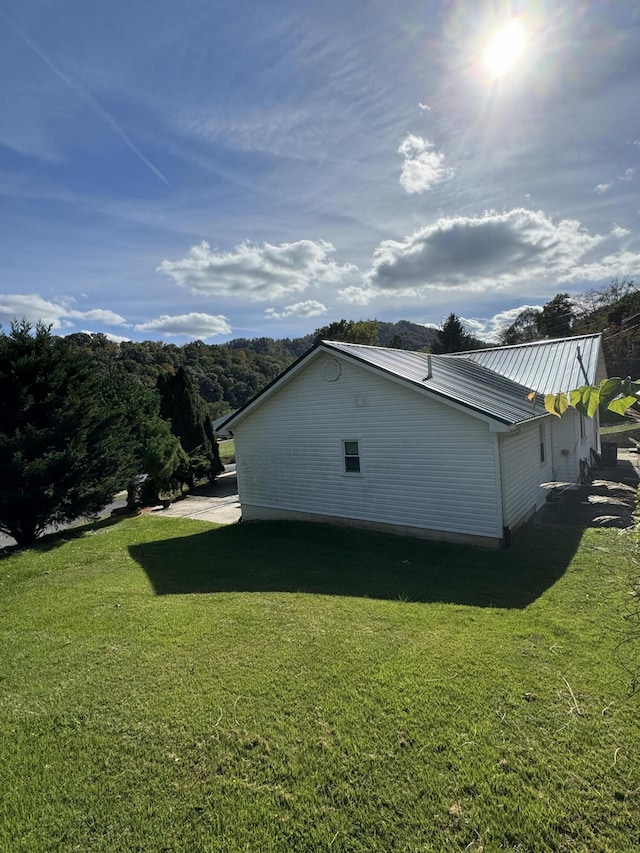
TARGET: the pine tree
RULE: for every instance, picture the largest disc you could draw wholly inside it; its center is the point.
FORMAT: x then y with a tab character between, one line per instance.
452	337
59	438
186	411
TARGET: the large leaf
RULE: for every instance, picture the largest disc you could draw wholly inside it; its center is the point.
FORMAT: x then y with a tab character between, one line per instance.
591	399
621	405
576	399
556	404
609	390
585	399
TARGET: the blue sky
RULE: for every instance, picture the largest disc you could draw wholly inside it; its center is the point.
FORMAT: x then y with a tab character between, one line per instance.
202	169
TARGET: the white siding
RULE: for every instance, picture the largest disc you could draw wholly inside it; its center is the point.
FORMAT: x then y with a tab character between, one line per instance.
423	464
569	447
523	471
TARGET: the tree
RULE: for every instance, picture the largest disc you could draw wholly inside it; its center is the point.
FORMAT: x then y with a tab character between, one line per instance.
349	331
183	407
523	329
452	337
150	454
556	318
59	434
395	342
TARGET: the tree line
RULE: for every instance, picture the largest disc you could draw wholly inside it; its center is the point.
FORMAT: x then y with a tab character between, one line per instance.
74	431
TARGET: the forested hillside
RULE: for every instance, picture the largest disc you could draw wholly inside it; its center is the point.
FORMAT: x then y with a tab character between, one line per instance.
227	375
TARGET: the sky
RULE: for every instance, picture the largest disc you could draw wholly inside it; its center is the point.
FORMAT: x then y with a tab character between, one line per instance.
212	170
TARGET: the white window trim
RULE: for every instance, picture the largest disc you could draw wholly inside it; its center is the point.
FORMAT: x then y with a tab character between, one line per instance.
343	451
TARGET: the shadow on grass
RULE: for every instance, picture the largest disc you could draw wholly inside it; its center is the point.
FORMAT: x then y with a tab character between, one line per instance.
317	558
53	540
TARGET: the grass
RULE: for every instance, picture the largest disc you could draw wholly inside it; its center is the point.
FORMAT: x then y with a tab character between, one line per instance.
166	685
227	451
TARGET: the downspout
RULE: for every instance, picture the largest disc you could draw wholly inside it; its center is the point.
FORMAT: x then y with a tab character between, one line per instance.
554	467
580	362
505	542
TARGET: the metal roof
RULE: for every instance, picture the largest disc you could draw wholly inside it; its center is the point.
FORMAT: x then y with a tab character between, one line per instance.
547	367
459	380
495	383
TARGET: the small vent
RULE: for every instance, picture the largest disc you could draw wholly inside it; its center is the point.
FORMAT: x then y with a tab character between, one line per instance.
331	369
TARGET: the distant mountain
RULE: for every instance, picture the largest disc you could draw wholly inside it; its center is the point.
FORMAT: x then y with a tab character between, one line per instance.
412	336
403	335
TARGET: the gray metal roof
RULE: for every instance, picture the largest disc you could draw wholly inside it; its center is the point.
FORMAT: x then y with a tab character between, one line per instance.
547	367
459	380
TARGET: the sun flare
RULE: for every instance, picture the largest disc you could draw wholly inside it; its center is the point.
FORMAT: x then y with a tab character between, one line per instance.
505	49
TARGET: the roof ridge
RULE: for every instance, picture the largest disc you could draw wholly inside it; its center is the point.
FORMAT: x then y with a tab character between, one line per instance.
542	342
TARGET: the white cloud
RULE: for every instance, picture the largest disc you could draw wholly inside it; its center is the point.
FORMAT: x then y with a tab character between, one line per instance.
488	329
356	295
478	253
117	339
310	308
56	314
257	272
423	166
617	265
619	231
100	315
190	325
627	176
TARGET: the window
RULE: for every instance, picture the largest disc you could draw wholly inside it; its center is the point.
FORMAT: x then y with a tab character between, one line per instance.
542	454
351	457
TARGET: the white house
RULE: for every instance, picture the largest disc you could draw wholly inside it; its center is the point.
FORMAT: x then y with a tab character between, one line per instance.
448	447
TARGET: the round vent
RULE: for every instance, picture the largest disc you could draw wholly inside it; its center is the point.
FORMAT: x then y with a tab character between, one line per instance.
331	369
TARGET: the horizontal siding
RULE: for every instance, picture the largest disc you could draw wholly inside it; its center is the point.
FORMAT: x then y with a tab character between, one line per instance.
568	446
522	471
423	464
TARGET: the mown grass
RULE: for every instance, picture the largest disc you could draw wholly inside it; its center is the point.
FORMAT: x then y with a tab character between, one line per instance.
169	685
227	450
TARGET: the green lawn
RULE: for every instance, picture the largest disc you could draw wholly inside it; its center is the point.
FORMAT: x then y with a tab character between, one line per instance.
166	685
227	451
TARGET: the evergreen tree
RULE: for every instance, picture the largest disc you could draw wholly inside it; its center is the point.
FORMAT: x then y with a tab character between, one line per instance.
186	411
452	337
151	455
59	435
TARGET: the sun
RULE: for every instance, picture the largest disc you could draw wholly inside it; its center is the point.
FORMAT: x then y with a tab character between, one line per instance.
504	49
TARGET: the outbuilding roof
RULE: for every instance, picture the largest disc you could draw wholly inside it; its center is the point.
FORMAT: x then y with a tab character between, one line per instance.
547	367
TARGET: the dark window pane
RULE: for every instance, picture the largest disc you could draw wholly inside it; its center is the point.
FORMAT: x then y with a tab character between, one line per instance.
351	448
352	464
